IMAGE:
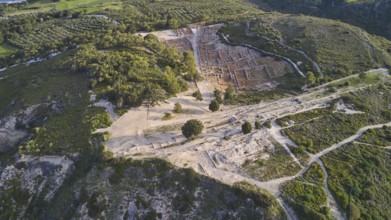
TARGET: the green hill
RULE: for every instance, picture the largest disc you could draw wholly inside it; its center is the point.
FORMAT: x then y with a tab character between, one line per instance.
337	48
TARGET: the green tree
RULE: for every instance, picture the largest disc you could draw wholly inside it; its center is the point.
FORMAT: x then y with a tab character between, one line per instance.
173	24
246	127
202	18
197	94
214	106
170	82
355	212
192	128
311	79
189	65
229	92
218	94
154	94
151	37
257	125
178	108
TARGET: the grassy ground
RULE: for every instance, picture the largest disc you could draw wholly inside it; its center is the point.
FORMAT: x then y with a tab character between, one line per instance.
380	137
64	99
306	194
24	86
374	101
338	48
7	50
369	78
363	173
303	117
322	128
279	164
323	132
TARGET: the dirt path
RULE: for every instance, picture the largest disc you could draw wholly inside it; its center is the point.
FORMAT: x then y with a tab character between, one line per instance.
330	199
382	71
135	122
109	108
374	145
288	210
315	157
195	48
275	132
289	47
315	64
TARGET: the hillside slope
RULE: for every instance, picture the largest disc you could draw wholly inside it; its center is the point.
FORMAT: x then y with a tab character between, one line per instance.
372	15
329	48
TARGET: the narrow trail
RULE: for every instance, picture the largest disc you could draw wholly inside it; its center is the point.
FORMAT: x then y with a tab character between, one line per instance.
373	145
266	53
334	209
276	55
360	132
315	64
275	132
382	71
290	213
195	48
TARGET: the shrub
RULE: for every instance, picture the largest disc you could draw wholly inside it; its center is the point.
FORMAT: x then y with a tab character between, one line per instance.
218	94
167	116
197	94
192	128
257	125
246	127
229	92
178	108
267	124
214	106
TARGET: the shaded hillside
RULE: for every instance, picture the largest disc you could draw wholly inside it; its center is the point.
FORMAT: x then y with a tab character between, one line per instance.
374	16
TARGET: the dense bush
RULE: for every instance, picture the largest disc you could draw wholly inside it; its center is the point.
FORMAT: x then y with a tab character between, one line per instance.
178	108
323	132
218	95
246	127
362	173
214	105
197	94
192	128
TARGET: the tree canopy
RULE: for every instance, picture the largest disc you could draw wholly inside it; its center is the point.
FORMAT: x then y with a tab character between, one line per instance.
192	128
246	127
214	106
139	70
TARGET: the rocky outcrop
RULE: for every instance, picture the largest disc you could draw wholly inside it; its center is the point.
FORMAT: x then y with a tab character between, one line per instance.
14	129
32	177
